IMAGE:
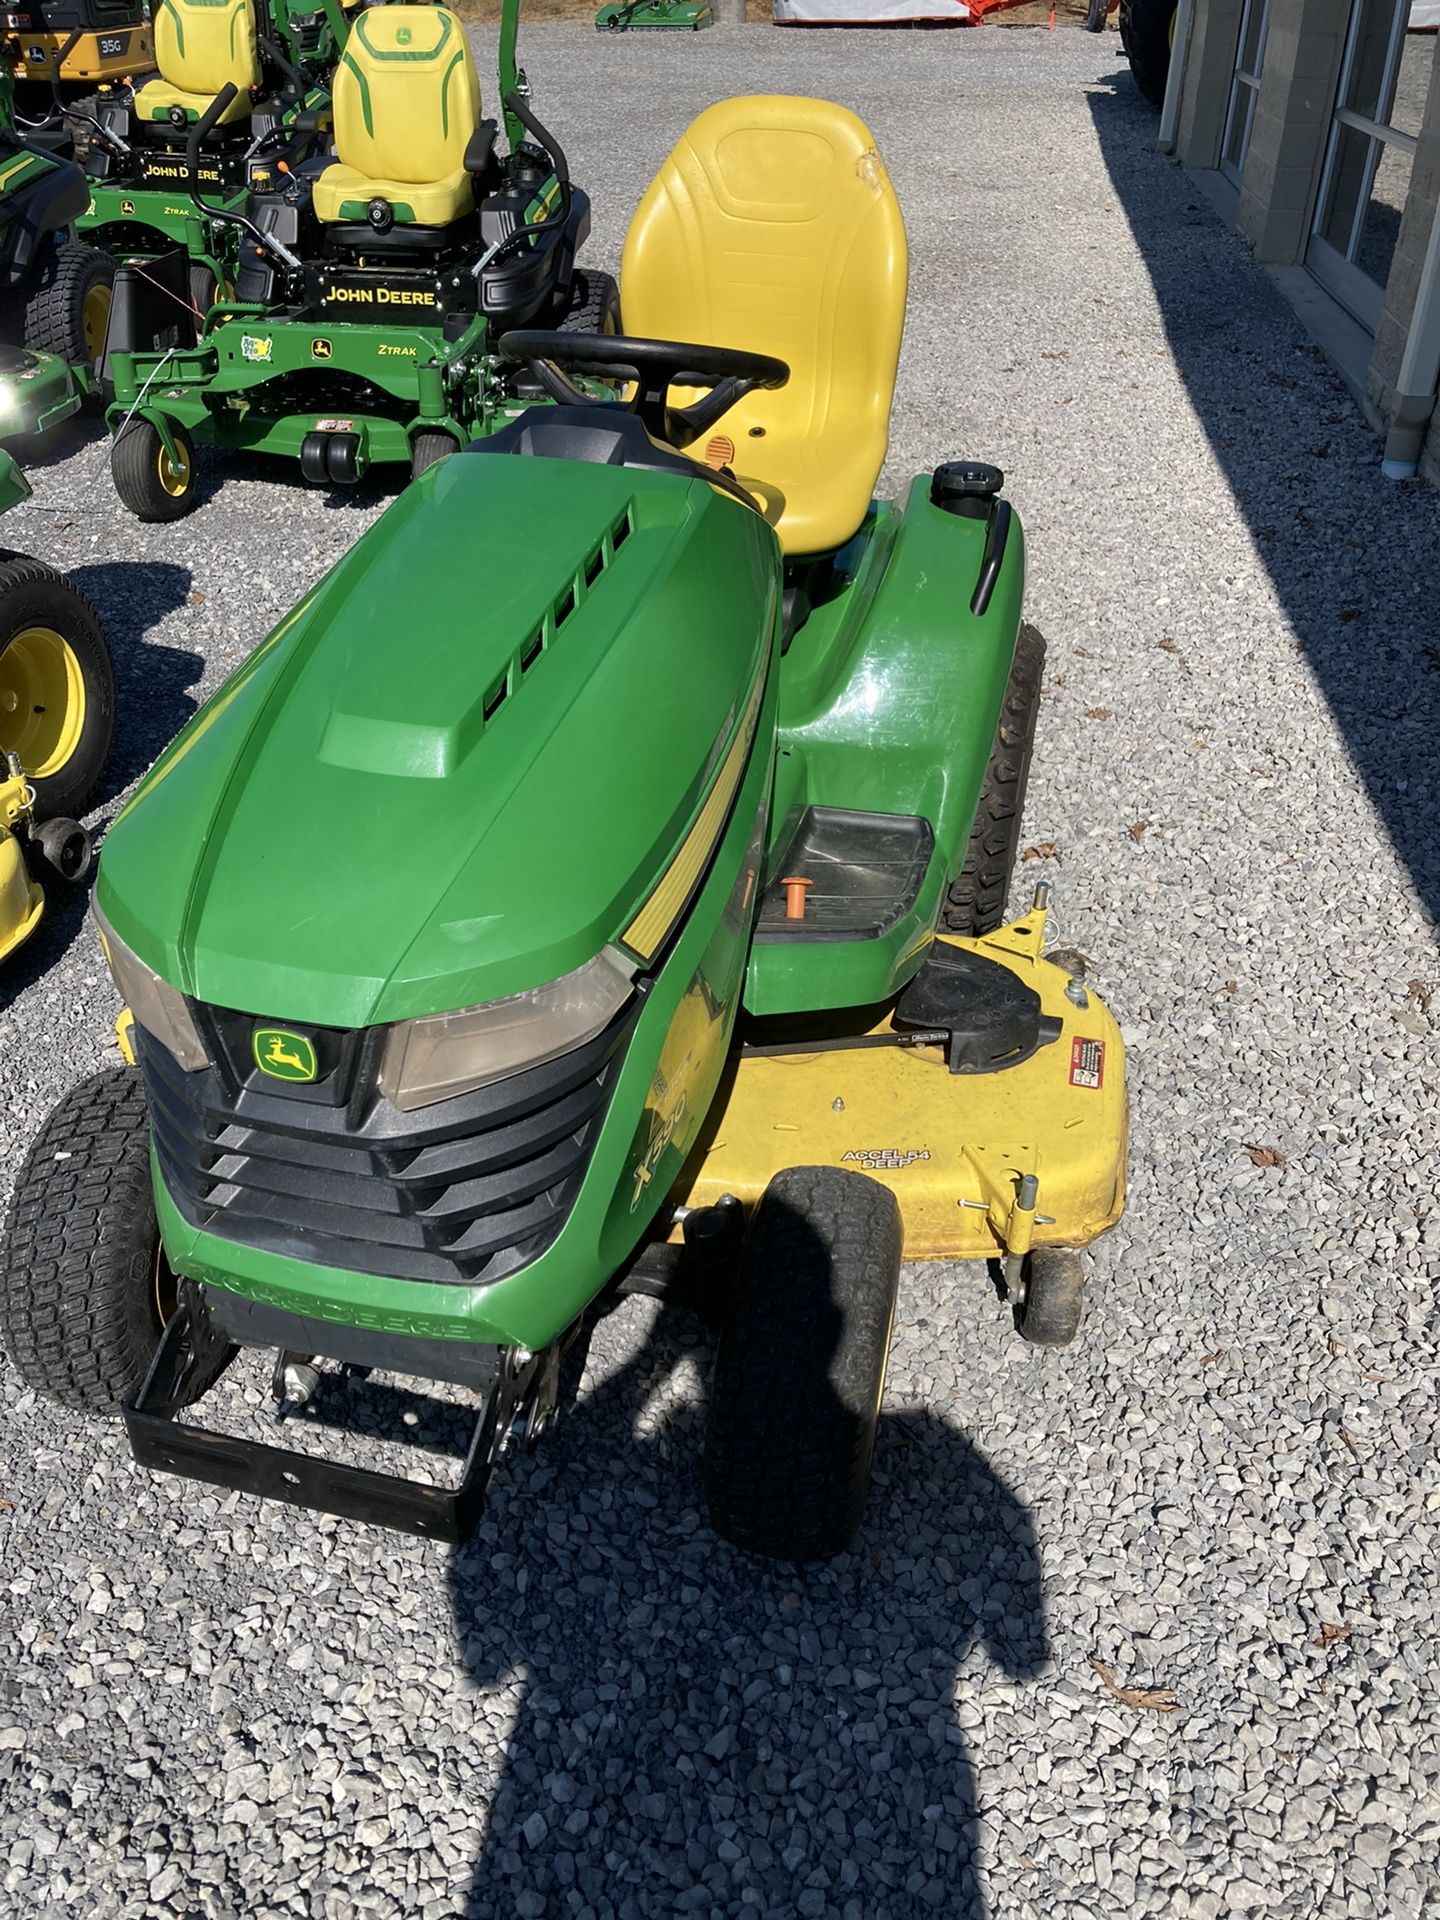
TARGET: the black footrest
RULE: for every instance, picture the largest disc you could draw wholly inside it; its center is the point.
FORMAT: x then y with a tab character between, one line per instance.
992	1018
159	1441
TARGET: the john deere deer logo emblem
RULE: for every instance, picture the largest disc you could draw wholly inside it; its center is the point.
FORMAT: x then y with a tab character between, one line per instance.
403	36
282	1054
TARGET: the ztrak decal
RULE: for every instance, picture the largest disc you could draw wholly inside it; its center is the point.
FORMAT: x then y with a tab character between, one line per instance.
403	353
885	1159
256	347
282	1054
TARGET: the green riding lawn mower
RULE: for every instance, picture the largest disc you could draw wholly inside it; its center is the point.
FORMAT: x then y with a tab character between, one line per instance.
596	884
239	90
57	714
55	293
372	282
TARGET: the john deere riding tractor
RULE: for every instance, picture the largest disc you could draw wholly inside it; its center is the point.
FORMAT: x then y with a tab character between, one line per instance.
57	713
372	282
54	292
595	883
170	159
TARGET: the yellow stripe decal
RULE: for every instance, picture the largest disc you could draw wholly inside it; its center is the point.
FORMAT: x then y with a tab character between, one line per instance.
650	928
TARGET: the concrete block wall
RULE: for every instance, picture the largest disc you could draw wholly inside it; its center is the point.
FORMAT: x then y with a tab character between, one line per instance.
1293	111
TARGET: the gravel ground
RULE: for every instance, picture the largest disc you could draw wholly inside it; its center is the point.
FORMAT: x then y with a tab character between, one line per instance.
1227	1491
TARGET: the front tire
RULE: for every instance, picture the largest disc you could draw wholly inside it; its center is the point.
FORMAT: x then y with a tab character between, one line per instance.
153	486
57	685
84	1289
429	450
800	1370
70	314
975	903
1053	1296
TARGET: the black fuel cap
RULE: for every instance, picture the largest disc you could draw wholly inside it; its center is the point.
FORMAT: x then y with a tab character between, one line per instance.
965	487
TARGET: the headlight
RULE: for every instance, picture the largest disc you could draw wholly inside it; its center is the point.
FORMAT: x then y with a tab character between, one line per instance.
157	1007
449	1053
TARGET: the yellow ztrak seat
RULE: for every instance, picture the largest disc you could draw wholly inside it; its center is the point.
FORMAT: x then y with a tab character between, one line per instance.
773	227
407	101
200	47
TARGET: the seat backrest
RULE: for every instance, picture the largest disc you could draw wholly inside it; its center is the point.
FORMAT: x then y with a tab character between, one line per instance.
407	96
204	45
773	226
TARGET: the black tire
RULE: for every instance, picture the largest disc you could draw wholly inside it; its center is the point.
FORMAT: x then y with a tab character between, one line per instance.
1145	30
800	1369
69	314
46	623
82	1291
64	849
204	290
1053	1281
145	479
430	448
975	903
594	305
1095	17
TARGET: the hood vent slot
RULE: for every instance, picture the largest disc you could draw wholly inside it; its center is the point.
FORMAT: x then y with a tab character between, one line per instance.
561	613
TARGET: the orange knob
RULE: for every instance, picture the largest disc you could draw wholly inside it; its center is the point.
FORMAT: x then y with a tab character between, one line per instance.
795	891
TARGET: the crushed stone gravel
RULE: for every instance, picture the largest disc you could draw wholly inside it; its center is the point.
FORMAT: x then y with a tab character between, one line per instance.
1227	1491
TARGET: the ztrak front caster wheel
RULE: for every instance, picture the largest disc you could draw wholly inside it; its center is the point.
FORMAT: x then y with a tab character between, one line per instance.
85	1289
65	848
429	449
152	485
801	1366
1052	1296
57	685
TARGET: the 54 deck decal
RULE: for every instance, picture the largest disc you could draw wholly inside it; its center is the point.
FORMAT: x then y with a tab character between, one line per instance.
1087	1063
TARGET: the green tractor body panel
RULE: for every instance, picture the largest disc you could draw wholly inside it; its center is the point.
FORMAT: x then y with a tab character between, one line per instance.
142	222
39	390
525	757
218	390
889	704
448	778
14	487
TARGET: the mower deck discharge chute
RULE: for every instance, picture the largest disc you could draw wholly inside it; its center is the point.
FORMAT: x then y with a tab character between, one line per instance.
372	281
669	952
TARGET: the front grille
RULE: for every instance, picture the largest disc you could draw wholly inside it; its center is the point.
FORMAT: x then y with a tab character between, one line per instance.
466	1191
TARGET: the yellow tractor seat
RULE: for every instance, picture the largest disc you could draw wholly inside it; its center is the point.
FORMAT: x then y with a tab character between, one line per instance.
773	227
200	47
407	102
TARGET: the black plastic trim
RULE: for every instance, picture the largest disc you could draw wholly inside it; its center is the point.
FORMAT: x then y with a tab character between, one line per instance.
996	538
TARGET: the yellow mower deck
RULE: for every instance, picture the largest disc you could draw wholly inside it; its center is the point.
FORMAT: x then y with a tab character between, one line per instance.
21	901
955	1149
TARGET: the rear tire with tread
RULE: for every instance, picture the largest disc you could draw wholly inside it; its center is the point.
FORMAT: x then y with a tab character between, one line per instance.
55	314
33	595
594	304
800	1370
975	903
79	1312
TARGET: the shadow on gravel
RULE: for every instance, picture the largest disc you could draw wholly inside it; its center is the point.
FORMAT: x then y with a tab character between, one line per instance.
696	1725
1353	558
152	681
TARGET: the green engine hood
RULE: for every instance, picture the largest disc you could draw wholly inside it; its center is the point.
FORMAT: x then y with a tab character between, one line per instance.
461	764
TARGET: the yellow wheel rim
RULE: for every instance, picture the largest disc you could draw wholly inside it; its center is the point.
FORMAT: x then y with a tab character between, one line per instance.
174	474
96	321
42	700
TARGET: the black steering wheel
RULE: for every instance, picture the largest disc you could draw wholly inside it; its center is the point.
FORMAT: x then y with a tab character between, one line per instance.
655	366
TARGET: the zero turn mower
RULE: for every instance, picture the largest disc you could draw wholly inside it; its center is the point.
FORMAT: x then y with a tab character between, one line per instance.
225	76
57	713
595	883
371	283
